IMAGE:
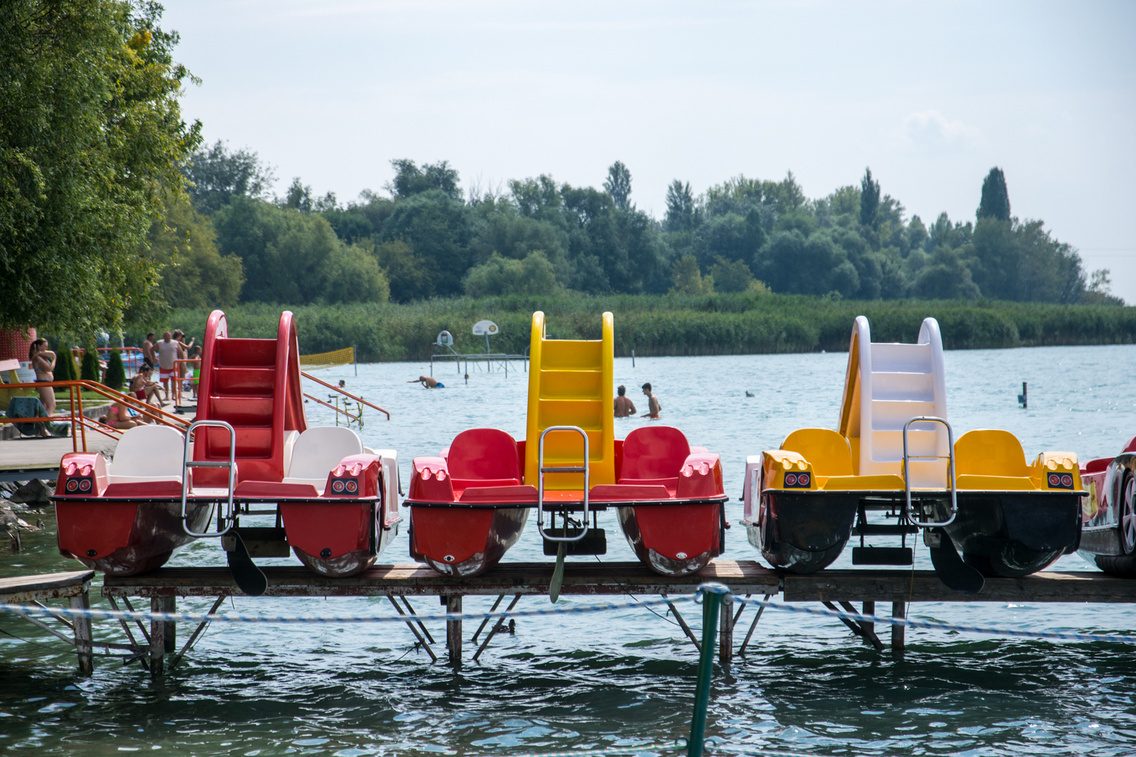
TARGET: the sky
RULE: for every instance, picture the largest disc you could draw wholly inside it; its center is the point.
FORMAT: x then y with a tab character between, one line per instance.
929	95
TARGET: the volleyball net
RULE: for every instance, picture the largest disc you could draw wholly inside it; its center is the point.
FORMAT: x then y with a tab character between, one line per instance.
345	356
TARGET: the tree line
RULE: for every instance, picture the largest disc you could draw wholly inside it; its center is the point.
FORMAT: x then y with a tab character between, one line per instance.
425	238
113	209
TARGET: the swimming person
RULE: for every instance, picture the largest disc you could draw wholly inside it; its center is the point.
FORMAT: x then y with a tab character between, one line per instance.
428	381
624	407
653	406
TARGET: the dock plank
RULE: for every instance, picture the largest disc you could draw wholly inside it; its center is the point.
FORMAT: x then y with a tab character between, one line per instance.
408	580
34	455
21	589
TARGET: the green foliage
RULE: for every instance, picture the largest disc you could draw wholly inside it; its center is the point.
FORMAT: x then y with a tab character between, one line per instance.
89	365
995	202
731	276
687	279
410	180
65	369
115	374
618	185
91	132
869	199
501	276
215	176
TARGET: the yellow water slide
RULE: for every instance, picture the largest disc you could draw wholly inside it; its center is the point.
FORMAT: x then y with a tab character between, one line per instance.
570	384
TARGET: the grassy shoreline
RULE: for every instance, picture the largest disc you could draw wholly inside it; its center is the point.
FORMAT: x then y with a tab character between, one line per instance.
670	325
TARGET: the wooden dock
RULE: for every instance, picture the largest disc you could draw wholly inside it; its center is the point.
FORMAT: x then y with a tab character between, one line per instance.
835	588
73	586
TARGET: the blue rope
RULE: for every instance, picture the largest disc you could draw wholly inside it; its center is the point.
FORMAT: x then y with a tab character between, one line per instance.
199	617
633	750
936	625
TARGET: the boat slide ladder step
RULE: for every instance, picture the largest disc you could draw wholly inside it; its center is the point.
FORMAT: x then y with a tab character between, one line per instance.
950	483
551	534
227	516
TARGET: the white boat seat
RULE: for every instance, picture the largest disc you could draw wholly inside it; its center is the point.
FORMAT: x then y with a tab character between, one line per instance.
148	453
317	451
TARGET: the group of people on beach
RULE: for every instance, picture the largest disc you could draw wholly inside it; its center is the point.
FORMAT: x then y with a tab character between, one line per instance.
164	353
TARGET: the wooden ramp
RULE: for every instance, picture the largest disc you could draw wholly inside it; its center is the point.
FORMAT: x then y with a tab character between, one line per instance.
33	457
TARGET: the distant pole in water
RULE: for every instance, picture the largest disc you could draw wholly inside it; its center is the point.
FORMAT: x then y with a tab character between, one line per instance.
632	358
1022	400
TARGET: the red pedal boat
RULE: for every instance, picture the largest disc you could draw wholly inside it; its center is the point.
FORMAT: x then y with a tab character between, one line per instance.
250	453
469	504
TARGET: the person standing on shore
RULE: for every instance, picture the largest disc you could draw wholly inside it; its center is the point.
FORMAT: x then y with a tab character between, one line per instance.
624	407
653	406
167	351
148	355
43	363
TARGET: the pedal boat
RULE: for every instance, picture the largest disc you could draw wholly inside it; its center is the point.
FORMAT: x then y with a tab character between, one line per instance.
803	503
470	504
249	455
1108	535
894	469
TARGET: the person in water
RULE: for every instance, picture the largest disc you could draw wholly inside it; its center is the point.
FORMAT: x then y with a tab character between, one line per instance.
428	381
624	407
653	406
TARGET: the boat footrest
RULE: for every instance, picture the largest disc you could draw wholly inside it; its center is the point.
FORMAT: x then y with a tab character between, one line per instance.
261	541
593	543
881	556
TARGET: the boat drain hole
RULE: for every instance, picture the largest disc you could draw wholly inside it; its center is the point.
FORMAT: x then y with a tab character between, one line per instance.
325	552
448	558
92	553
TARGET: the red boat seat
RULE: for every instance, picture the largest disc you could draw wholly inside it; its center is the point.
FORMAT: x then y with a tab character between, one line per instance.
148	453
1131	446
653	453
825	449
483	457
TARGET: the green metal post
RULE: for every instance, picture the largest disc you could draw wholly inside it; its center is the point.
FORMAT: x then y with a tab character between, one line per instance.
713	594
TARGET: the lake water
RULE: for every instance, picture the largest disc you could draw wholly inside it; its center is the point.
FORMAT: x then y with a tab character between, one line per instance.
623	677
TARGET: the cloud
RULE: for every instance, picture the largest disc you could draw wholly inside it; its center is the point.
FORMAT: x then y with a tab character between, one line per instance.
930	131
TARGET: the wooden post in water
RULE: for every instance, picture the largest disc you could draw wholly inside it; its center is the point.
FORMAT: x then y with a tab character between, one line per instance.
898	610
454	630
83	636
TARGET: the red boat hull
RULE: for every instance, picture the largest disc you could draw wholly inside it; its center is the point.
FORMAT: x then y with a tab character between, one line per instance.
464	541
125	538
674	539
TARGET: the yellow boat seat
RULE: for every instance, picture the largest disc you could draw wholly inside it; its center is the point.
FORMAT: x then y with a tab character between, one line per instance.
825	449
991	459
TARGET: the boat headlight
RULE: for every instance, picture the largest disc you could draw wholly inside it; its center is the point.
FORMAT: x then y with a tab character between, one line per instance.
798	480
1060	480
344	486
85	485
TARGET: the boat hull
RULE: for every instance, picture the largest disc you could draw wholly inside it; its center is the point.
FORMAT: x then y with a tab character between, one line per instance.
1013	534
674	539
463	541
336	539
1108	537
1007	534
126	538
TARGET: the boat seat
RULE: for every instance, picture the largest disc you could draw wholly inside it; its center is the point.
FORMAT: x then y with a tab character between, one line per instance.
990	452
653	453
483	457
148	453
317	451
825	449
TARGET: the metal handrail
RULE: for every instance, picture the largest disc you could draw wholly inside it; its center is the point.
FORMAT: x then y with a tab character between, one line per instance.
949	457
228	516
561	469
345	393
80	421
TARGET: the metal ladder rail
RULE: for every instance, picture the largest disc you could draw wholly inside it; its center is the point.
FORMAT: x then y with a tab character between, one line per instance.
949	457
542	468
229	512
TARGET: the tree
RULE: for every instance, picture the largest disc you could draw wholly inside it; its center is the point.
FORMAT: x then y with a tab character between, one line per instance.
731	275
869	199
216	176
439	229
115	374
682	213
995	202
687	279
90	134
534	275
298	197
193	273
410	180
618	185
